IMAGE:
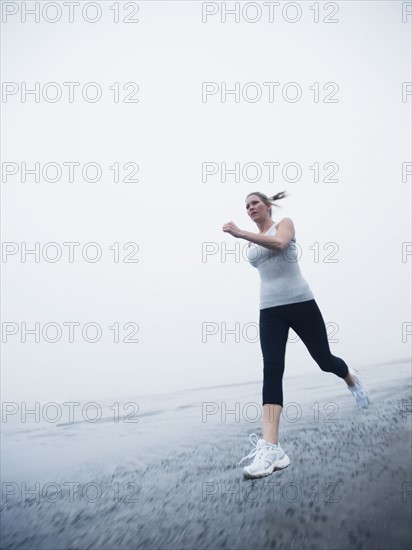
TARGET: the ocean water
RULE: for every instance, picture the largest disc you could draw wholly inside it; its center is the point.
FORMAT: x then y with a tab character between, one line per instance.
132	433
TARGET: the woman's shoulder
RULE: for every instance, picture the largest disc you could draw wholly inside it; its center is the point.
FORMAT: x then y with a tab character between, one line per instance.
285	219
290	222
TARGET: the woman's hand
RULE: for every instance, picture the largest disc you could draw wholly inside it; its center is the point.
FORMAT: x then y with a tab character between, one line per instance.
233	229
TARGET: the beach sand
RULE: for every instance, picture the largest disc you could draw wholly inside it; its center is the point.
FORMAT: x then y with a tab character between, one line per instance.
172	481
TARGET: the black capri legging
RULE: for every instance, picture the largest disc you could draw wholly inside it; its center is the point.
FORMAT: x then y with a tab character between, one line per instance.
305	318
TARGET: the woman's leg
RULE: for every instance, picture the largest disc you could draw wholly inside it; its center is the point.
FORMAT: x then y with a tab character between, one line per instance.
271	418
273	330
306	320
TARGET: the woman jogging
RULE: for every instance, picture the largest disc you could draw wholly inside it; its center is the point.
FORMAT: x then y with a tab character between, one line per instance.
286	301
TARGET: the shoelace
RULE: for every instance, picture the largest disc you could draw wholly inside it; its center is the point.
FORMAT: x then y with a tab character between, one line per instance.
256	451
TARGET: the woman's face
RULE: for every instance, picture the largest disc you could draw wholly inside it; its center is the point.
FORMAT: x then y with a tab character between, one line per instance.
257	210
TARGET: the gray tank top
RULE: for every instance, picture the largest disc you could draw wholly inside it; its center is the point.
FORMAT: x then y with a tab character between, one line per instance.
281	281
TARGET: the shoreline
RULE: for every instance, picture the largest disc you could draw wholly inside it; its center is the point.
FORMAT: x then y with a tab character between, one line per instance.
349	484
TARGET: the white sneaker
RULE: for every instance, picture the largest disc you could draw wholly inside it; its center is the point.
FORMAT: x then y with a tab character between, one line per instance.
359	391
267	458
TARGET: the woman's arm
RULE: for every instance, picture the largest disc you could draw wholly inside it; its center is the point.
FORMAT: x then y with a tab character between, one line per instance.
284	234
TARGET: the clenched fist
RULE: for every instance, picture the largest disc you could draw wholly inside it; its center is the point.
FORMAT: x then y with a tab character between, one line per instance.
232	228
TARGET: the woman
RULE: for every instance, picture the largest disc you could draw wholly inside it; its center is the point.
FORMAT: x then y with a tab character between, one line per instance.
286	301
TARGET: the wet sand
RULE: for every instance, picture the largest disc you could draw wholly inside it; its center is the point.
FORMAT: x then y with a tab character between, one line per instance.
349	485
